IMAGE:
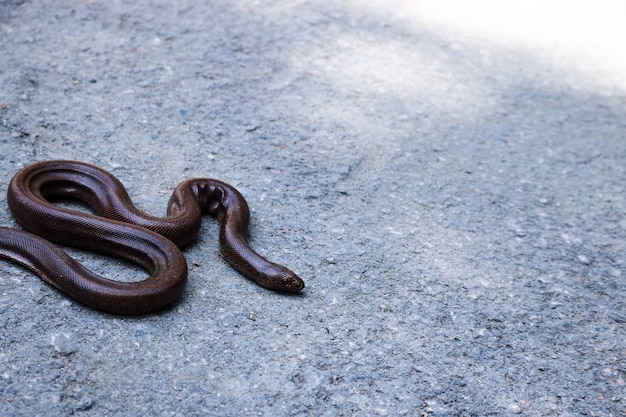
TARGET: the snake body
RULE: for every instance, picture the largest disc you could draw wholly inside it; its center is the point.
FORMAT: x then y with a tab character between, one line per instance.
121	230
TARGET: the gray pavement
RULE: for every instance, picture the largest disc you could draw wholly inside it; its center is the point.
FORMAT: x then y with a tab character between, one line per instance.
448	180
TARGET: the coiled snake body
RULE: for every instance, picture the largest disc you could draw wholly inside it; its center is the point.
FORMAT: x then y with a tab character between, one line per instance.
120	229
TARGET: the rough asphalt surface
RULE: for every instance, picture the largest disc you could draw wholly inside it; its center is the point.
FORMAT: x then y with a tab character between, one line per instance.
454	200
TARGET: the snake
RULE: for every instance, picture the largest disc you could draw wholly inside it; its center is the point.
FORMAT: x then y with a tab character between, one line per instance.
116	227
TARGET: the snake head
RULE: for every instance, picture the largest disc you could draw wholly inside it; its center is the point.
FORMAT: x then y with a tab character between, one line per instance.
283	279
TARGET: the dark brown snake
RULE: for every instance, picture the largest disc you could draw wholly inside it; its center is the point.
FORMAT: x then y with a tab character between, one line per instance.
121	230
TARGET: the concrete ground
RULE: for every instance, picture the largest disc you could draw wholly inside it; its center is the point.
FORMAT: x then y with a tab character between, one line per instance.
447	177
